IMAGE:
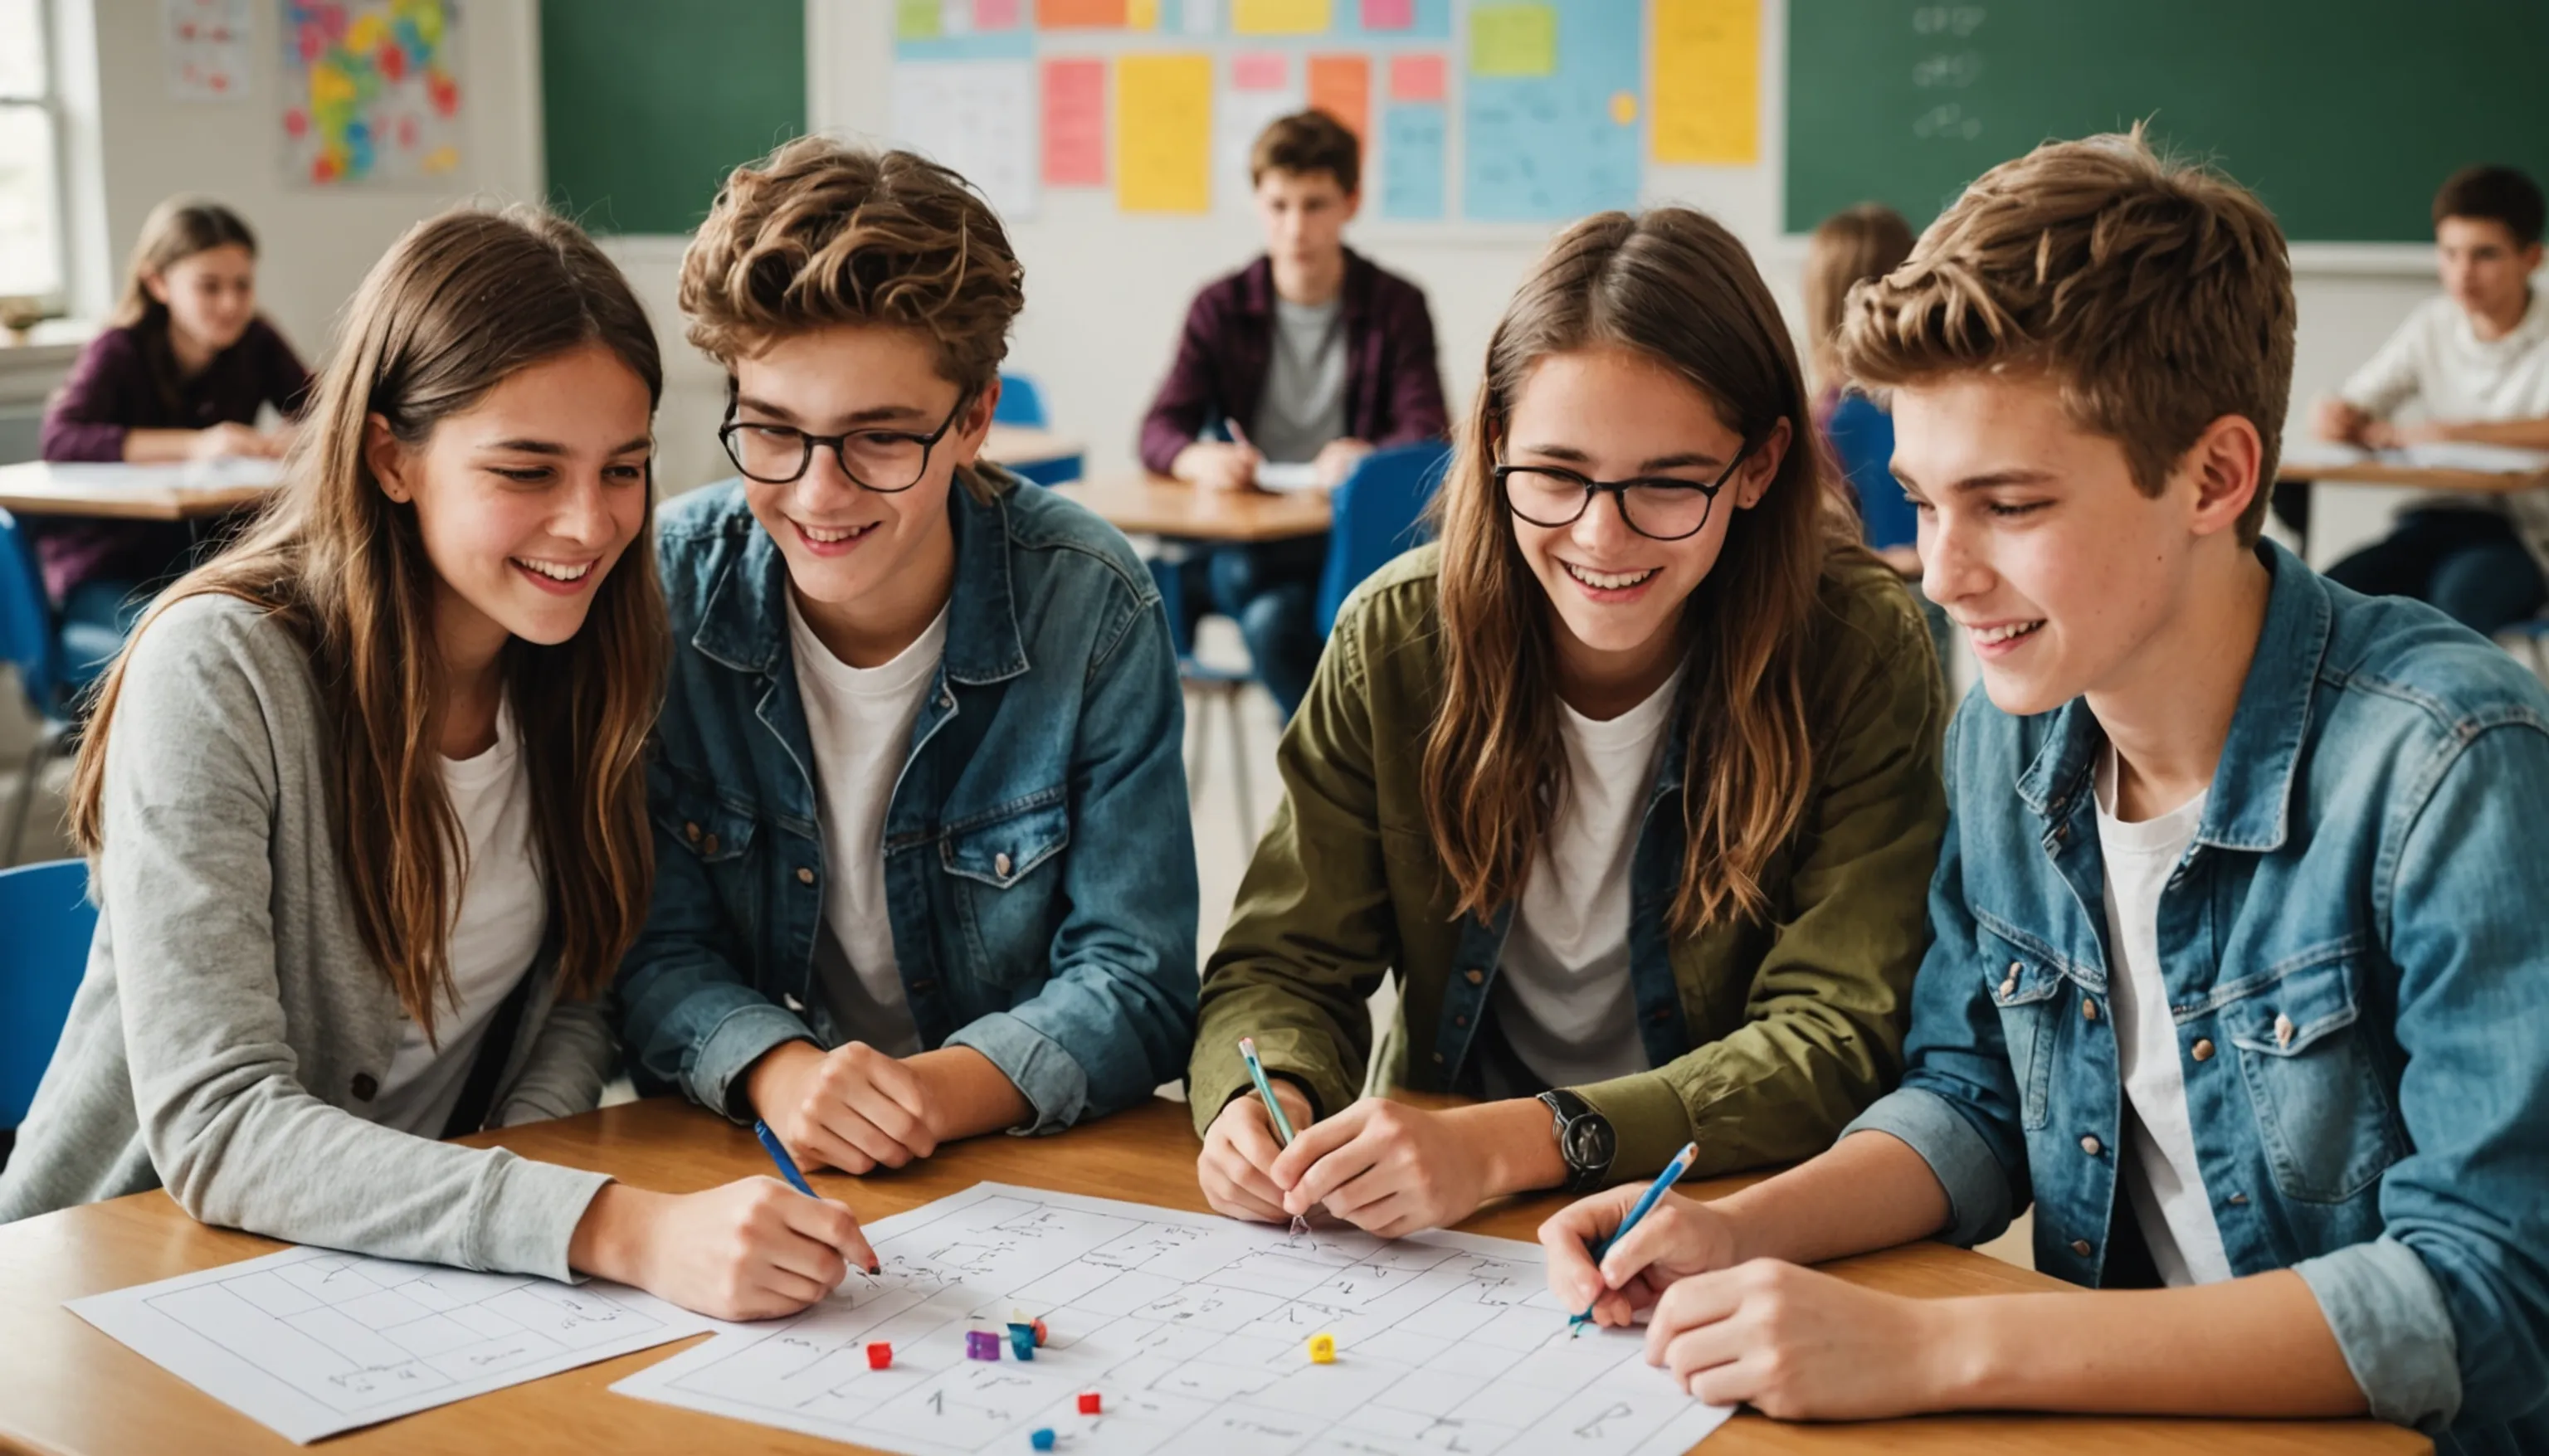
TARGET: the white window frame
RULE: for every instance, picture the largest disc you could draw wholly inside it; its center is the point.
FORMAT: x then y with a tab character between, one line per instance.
49	102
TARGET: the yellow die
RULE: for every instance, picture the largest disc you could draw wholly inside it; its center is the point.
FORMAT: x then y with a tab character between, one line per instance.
1322	1349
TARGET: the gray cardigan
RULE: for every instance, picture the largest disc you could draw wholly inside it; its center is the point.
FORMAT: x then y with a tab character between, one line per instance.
230	1030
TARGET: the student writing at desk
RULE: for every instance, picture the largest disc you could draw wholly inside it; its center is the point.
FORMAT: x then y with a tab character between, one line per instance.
2478	361
1312	355
180	373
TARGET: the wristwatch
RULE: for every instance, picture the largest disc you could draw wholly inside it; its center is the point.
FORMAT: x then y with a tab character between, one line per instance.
1584	1139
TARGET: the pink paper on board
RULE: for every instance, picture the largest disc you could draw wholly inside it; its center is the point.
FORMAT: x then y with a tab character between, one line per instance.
1260	70
1418	77
1389	15
1075	122
995	15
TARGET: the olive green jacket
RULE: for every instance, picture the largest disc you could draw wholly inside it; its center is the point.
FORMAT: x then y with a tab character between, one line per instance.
1765	1036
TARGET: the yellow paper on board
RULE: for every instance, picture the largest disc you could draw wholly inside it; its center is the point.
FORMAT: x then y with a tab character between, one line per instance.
1141	15
1164	134
1513	40
1707	85
1278	16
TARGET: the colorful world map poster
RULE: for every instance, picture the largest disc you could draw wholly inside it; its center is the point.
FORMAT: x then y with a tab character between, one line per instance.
371	90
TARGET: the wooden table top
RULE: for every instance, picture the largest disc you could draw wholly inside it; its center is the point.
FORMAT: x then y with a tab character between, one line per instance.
1156	506
2375	473
1019	444
67	1387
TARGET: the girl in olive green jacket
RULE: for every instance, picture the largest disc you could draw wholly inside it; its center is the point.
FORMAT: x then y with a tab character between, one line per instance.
1632	778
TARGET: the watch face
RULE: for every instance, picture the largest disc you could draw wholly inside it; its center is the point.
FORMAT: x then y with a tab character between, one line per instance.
1589	1144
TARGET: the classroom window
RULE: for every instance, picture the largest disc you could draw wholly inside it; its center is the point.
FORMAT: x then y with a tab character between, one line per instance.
31	194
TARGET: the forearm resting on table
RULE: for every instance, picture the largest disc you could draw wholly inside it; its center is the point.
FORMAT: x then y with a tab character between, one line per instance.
1870	1191
2520	434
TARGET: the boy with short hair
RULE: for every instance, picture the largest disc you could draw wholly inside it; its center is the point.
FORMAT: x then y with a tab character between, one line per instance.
2236	974
923	866
2477	360
1310	355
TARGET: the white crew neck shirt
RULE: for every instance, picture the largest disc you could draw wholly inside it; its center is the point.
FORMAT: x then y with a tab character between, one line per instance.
2437	361
859	720
503	910
2162	1175
1562	998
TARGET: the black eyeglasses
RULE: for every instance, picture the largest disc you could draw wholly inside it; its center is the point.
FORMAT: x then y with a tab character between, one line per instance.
1657	507
886	461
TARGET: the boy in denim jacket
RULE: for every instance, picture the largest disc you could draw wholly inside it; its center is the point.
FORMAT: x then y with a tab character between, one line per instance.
2237	975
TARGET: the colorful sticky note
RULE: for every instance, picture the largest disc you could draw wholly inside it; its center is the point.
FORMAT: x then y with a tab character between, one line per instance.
995	15
1260	70
1417	77
1075	122
1141	15
1513	40
1388	15
917	19
1341	86
1707	81
1412	162
1164	134
1079	15
1280	17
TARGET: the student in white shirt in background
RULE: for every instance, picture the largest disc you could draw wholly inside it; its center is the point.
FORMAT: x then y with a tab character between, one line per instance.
364	800
2476	361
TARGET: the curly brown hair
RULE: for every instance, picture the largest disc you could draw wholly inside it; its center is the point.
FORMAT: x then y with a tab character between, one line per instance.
2157	296
818	234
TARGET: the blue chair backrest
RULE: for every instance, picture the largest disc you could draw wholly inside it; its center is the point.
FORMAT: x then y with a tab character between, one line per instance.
50	921
1379	513
26	623
1021	403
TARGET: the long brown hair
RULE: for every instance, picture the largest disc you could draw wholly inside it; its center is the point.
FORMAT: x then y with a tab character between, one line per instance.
1869	240
1676	288
458	305
176	229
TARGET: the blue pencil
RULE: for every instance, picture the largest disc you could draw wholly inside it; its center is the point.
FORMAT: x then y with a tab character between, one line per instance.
1265	1089
779	1155
1667	1178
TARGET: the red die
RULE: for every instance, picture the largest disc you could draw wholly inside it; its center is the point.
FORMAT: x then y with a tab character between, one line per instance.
879	1355
1088	1403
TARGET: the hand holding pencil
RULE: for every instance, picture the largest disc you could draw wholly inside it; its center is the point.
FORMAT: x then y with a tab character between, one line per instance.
1615	1276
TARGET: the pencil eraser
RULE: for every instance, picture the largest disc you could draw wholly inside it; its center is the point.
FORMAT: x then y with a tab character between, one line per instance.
1088	1403
981	1344
879	1355
1322	1349
1041	1439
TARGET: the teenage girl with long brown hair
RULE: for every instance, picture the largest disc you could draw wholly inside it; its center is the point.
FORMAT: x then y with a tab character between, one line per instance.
365	808
1632	780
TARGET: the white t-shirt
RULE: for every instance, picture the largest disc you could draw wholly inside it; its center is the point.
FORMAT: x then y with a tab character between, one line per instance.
860	722
1562	998
2437	360
2157	1161
503	909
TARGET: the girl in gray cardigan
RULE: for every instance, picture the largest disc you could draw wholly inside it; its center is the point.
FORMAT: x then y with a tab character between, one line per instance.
365	806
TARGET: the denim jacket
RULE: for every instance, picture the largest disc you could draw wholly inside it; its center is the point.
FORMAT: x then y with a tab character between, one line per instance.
1038	857
2354	962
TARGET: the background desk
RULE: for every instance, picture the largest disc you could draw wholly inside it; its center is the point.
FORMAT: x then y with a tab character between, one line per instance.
67	1387
1155	505
2375	473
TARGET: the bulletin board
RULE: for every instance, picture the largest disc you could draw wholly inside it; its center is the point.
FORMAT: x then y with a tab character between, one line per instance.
1470	111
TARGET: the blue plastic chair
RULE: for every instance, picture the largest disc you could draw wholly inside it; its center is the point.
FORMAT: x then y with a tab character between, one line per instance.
1379	513
30	643
50	923
1023	404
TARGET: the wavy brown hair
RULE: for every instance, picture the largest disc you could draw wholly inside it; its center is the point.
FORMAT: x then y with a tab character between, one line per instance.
1675	287
457	305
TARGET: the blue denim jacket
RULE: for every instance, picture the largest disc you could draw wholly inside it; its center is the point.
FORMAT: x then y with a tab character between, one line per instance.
1039	860
2355	964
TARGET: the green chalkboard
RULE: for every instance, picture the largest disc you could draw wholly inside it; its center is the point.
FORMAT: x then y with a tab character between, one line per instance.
647	104
2343	115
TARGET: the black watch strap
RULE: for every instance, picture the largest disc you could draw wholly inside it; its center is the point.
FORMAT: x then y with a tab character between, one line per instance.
1584	1139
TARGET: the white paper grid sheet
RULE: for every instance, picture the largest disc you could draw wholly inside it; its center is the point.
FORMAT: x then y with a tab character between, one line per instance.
310	1341
1194	1330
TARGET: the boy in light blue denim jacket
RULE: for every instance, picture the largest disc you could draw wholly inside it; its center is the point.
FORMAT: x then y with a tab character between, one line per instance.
923	864
2238	975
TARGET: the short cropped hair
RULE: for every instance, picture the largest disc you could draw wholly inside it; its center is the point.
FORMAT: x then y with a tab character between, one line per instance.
819	234
1304	142
2495	194
2157	297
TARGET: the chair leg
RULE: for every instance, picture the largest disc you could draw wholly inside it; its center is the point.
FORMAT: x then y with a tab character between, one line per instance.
29	773
1239	771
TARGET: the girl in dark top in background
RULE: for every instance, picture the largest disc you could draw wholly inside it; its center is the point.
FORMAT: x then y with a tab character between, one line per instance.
178	374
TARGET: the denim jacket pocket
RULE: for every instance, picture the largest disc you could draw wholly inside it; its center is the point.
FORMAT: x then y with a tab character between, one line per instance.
993	868
718	835
2025	982
2327	1124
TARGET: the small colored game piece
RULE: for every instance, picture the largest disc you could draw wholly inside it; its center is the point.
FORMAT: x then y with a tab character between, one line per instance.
1040	1332
981	1344
1322	1349
879	1355
1088	1403
1041	1439
1022	1342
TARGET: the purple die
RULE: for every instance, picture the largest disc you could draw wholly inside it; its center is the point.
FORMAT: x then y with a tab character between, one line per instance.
981	1344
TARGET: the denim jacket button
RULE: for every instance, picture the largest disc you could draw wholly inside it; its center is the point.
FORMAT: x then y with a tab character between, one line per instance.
1473	975
2238	1200
690	832
2204	1049
2088	1008
2091	1146
2081	1247
1438	1058
805	875
1460	1021
709	845
1000	866
2282	1030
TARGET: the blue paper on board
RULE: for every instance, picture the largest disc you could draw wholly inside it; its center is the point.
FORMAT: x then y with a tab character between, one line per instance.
1548	149
1412	160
